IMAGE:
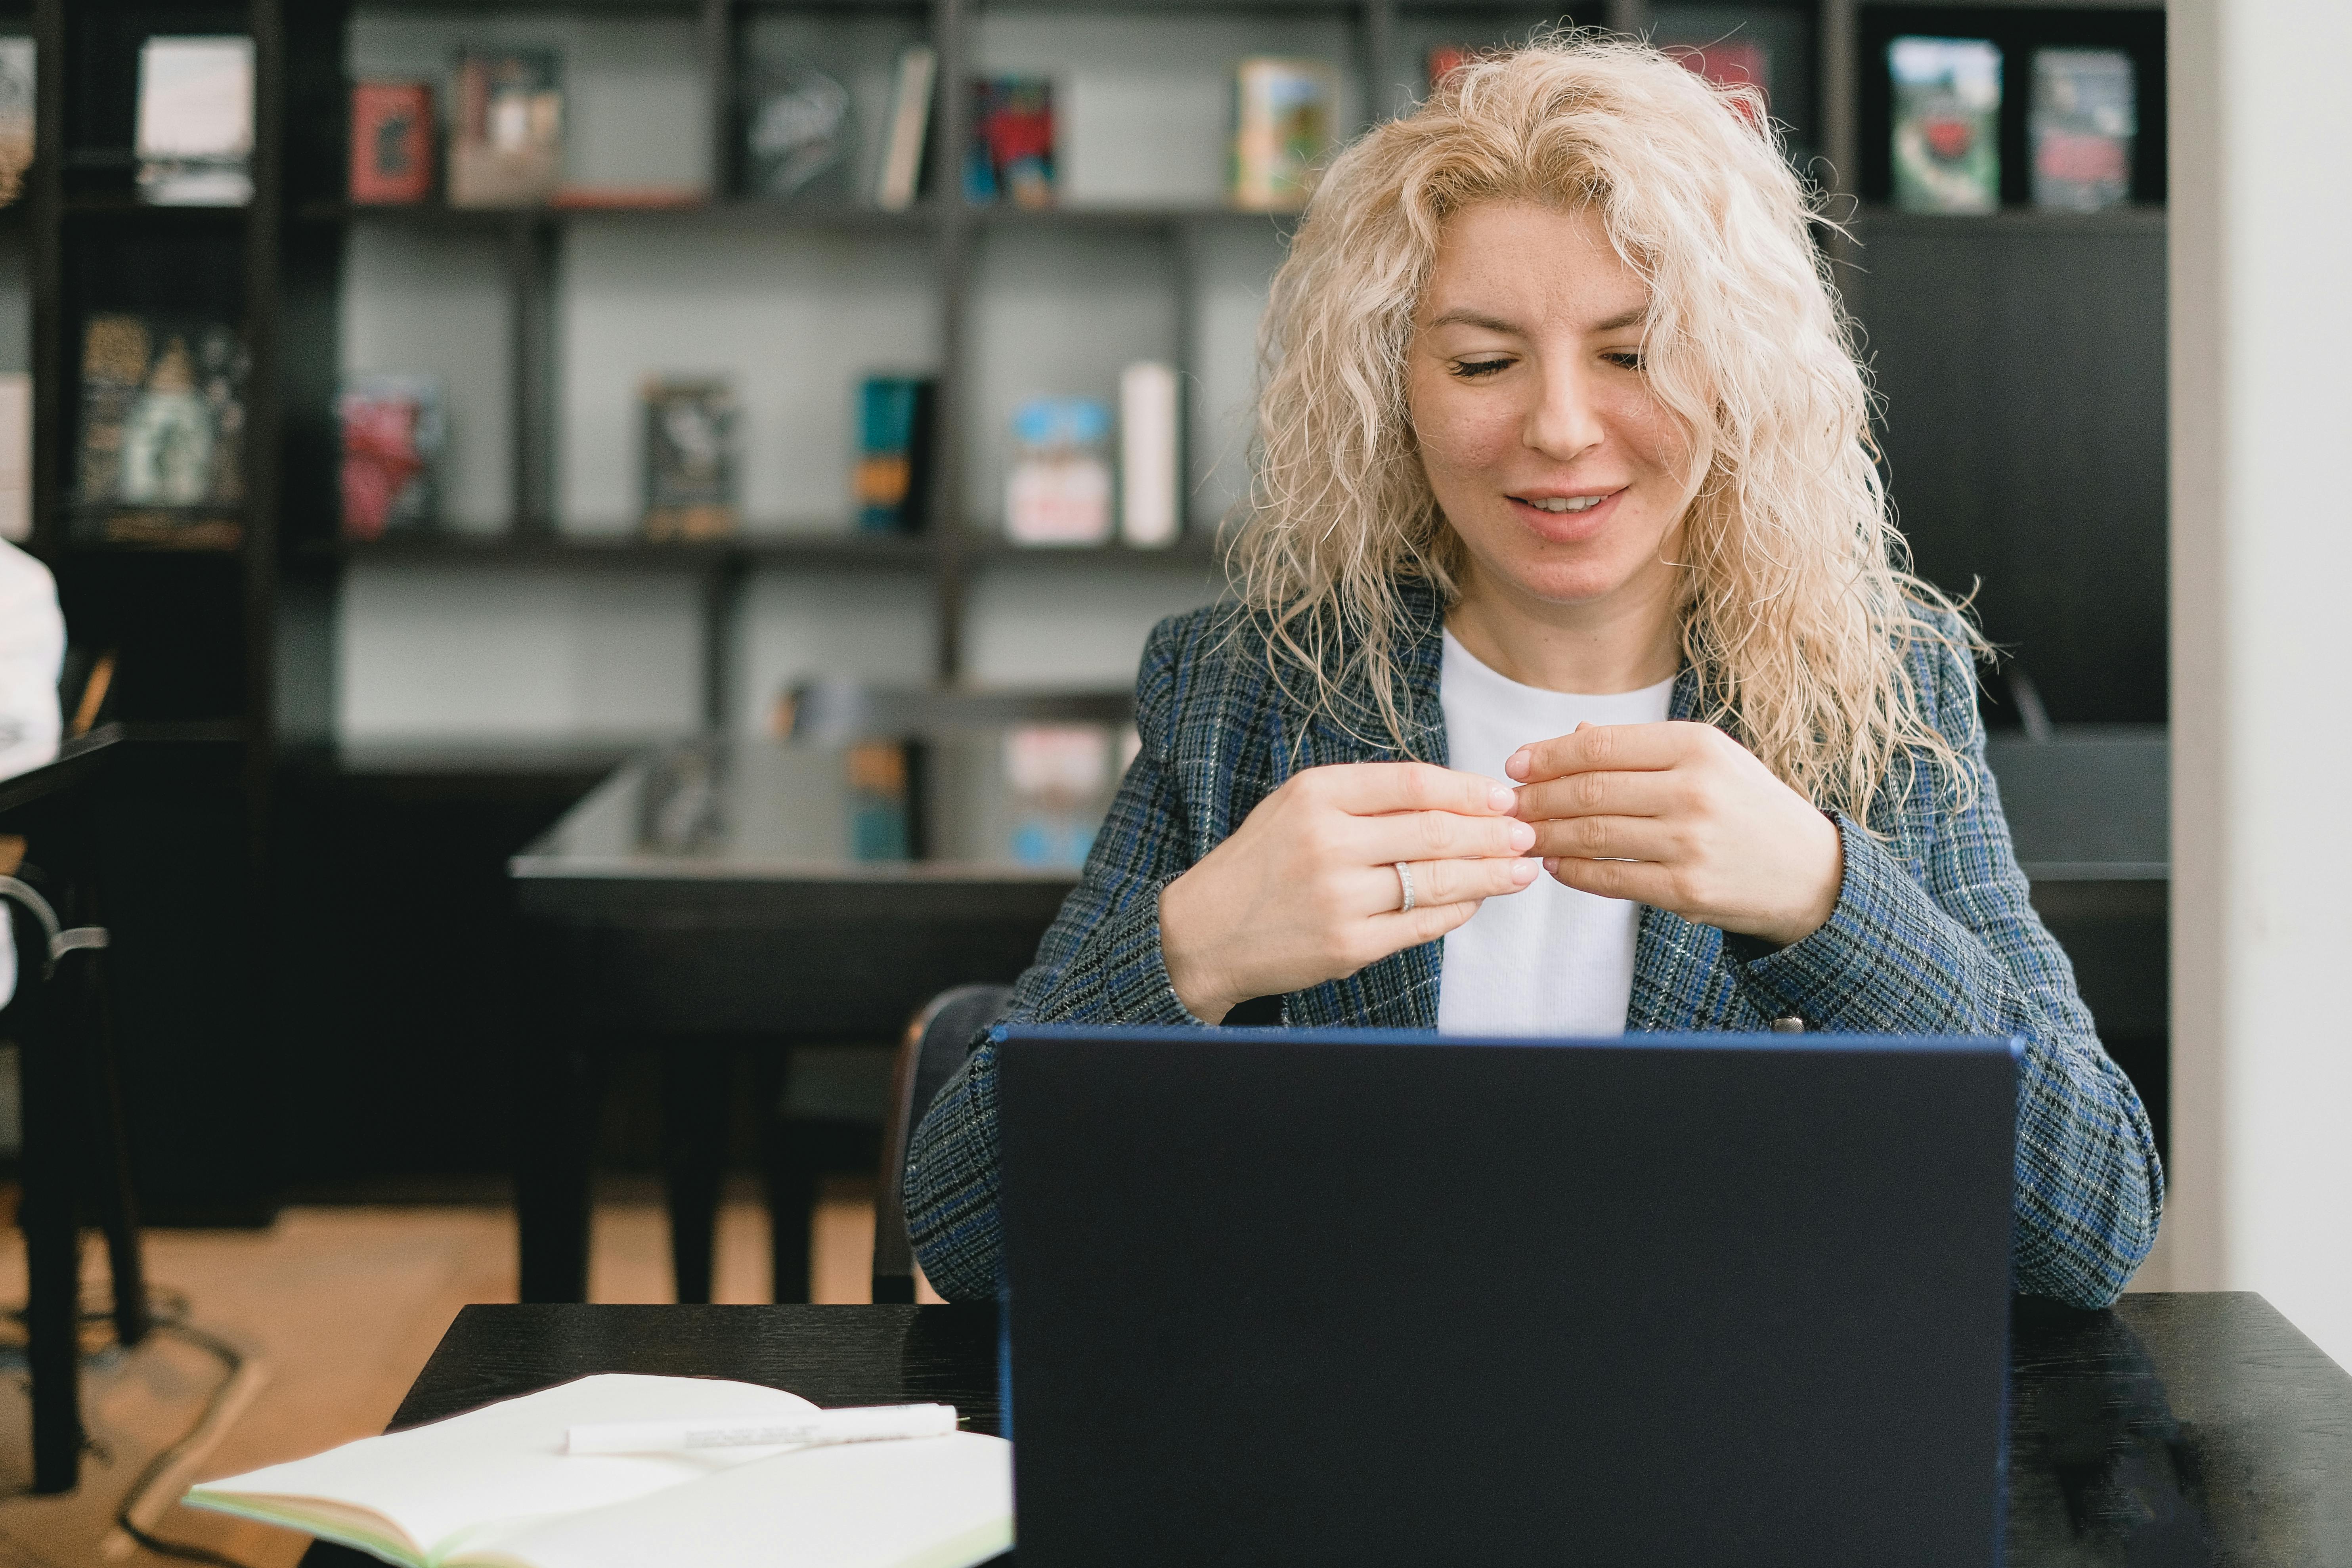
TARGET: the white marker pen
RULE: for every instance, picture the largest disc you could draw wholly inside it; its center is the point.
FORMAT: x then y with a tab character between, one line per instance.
856	1423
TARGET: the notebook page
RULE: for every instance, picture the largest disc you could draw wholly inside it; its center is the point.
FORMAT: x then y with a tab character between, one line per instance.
927	1502
505	1460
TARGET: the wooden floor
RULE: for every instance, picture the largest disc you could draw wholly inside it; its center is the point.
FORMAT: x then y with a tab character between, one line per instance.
333	1311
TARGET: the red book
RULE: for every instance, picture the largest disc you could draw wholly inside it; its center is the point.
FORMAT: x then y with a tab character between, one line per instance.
392	143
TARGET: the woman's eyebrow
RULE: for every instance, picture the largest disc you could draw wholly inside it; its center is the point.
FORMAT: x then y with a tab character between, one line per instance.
1467	317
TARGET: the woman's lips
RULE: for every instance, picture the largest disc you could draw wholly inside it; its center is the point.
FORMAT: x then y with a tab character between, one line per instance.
1567	526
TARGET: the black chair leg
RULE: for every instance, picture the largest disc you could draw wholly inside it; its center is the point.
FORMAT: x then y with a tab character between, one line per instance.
53	1107
103	1093
694	1102
557	1086
789	1181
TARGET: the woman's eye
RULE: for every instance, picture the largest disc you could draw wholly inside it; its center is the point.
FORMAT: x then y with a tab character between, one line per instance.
1472	369
1625	359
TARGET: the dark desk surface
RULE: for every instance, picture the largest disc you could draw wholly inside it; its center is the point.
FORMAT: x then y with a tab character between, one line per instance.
2179	1430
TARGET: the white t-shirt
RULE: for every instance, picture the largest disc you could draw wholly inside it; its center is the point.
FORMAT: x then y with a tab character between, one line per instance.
1546	959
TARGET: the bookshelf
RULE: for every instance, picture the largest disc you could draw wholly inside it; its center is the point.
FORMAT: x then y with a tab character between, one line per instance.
2021	354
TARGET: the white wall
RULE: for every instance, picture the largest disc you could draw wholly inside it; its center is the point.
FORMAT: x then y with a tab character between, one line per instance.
795	319
2261	550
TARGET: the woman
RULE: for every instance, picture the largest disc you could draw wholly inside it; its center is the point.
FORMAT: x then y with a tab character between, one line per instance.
1563	479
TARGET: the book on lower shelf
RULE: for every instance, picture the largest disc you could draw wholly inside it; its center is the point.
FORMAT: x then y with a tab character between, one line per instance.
891	485
495	1487
506	131
392	143
1058	491
161	456
194	133
1946	123
393	433
1150	499
689	454
2085	118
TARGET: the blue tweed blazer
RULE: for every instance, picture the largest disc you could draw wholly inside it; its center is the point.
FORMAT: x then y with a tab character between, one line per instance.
1933	933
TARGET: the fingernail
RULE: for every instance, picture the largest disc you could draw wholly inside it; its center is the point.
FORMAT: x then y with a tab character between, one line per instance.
1502	798
1518	766
1523	872
1523	837
1551	864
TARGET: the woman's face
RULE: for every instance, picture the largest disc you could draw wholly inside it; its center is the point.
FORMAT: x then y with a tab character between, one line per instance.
1542	442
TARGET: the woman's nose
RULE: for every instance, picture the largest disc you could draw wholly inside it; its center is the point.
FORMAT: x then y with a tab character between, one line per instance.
1566	420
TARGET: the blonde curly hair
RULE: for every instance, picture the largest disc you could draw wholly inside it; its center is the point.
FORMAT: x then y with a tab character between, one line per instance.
1798	607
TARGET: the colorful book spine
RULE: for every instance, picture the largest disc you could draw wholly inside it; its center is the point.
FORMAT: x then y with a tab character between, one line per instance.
506	135
1947	125
1058	490
18	81
894	437
394	433
392	143
689	459
1011	157
2085	118
1286	116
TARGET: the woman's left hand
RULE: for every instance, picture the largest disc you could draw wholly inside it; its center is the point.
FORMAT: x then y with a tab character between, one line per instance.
1682	816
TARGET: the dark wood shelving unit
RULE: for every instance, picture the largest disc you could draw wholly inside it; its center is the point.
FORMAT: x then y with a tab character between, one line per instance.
1991	337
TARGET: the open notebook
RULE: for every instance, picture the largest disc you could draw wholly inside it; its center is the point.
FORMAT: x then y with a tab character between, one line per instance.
494	1488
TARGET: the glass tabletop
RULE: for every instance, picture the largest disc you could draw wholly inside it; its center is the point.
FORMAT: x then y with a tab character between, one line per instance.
1019	801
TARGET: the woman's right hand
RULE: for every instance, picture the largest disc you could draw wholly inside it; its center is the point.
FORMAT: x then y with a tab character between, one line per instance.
1307	890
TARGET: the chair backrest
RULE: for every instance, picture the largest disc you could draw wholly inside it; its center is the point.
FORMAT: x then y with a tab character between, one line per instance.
937	1042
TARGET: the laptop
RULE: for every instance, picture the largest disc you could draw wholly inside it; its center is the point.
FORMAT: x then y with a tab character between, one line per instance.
1309	1297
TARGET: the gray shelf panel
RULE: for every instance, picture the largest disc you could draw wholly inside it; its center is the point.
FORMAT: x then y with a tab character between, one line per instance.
884	552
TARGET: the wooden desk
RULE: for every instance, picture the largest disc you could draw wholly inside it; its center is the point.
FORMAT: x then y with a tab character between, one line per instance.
2185	1430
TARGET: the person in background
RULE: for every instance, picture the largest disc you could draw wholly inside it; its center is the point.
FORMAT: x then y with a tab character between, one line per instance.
1575	683
32	652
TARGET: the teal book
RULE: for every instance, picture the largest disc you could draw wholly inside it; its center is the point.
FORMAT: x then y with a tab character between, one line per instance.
894	438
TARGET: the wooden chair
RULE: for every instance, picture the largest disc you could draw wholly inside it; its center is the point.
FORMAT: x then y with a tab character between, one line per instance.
937	1042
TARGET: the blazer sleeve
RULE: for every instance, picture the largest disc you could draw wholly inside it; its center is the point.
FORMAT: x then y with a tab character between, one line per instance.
1950	944
1099	963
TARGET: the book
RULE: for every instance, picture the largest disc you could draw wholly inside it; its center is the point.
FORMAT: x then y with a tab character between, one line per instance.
494	1488
877	775
889	484
19	81
1055	776
506	131
1947	125
796	130
689	459
392	143
1059	490
194	132
1011	151
1285	114
899	179
162	420
16	456
1149	497
394	433
1735	63
1445	59
2084	118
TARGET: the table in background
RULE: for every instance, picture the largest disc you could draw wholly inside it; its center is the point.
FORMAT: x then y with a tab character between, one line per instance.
717	894
2181	1429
